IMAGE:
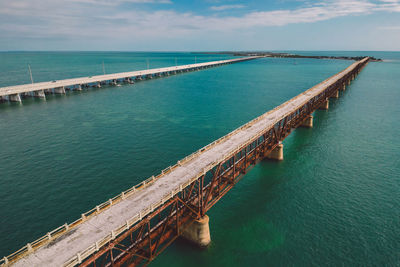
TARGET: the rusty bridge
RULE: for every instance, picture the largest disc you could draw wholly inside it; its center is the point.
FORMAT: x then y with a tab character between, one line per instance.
135	226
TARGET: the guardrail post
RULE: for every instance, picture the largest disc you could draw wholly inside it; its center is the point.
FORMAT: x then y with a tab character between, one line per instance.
78	255
97	245
5	260
29	247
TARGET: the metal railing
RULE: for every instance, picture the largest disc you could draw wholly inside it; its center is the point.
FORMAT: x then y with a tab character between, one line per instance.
77	259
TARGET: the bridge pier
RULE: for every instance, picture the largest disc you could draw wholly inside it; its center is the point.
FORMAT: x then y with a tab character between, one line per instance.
308	122
39	94
3	99
129	80
277	153
59	90
343	88
325	105
26	94
198	232
78	88
336	94
14	98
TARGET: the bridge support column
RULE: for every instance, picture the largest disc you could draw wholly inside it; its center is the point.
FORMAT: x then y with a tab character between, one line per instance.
59	90
78	88
26	94
308	122
39	94
198	232
324	105
336	94
343	88
14	98
277	153
3	99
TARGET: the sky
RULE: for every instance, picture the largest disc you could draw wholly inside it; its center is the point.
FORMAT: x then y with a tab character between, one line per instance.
199	25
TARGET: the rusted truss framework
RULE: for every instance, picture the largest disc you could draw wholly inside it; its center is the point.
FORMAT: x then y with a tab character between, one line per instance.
145	240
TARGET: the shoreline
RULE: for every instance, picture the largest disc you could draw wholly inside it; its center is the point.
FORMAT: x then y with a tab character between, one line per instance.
287	55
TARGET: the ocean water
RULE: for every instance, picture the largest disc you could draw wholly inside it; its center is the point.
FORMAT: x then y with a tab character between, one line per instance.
334	200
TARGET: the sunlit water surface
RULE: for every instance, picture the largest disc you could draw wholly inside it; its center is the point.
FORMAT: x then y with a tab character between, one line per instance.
334	200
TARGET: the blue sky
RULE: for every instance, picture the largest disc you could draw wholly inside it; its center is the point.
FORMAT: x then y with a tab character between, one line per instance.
199	25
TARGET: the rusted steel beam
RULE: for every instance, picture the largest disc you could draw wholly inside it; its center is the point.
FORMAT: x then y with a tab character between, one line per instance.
159	229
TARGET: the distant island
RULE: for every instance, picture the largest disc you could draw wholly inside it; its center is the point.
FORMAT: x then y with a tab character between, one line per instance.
288	55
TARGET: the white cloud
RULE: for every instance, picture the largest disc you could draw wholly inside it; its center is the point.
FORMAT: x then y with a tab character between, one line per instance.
226	7
390	28
75	19
117	2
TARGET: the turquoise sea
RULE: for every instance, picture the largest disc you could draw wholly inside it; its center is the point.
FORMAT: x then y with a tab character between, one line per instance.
333	201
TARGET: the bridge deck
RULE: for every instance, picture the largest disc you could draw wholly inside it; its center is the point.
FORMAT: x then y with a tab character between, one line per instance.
17	89
77	239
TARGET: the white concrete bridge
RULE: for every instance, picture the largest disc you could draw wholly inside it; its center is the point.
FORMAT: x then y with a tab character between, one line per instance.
14	93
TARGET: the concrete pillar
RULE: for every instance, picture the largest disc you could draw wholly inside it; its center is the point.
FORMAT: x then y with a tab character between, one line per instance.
59	90
336	94
129	80
14	98
39	94
3	99
277	153
198	232
26	94
343	88
324	105
348	81
78	88
97	85
308	122
113	82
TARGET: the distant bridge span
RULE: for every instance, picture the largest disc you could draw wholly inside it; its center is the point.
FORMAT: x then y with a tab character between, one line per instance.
135	226
40	89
